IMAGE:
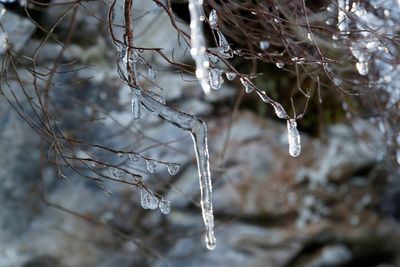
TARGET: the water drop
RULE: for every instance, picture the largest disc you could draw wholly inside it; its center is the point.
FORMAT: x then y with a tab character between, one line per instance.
293	138
152	74
151	165
247	85
165	206
213	19
230	75
215	76
173	168
280	64
135	104
362	68
264	44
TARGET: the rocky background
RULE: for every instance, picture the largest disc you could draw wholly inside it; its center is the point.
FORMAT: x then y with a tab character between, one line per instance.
329	207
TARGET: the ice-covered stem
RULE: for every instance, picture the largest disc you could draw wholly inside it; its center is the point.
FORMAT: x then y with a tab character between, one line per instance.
198	48
198	130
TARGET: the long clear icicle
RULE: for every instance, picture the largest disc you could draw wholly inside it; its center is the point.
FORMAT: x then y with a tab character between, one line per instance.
198	131
293	138
198	48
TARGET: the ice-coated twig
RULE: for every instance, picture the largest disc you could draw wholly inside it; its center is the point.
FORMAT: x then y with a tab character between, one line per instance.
198	48
198	131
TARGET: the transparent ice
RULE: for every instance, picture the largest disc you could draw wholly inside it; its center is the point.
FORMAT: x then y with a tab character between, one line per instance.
148	200
151	165
165	206
173	168
293	138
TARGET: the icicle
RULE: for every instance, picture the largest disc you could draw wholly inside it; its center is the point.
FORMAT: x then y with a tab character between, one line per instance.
151	165
148	200
230	75
152	74
280	64
293	138
264	44
135	103
198	131
173	168
215	76
198	50
247	85
165	206
213	19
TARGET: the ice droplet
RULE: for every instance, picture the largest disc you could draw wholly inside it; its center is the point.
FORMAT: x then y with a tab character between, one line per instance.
222	42
213	19
215	76
362	67
310	36
280	64
264	44
210	242
330	21
152	74
165	206
134	157
151	165
247	85
279	110
293	138
331	8
148	200
135	104
173	168
230	75
264	97
115	173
